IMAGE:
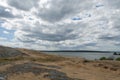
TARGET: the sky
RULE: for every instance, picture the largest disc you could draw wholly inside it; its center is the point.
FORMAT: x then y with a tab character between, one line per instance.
60	24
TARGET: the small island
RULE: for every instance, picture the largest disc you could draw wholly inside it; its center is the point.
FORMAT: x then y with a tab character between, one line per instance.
116	53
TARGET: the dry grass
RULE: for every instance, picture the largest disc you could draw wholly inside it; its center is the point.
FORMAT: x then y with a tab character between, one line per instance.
2	60
38	59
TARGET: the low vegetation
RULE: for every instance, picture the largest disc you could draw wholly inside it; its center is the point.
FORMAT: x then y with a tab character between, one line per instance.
103	58
110	58
44	59
118	59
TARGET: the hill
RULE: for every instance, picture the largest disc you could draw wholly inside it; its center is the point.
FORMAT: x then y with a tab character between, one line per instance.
7	52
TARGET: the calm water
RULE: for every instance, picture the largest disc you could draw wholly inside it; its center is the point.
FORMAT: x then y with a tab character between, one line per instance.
86	55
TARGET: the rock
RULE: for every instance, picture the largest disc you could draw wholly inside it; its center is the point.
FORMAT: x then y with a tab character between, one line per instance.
6	52
2	78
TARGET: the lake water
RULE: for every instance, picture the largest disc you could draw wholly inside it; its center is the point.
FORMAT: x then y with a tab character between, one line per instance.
86	55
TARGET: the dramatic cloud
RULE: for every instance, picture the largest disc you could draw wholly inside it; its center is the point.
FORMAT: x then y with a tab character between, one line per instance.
56	10
23	4
51	33
60	24
5	12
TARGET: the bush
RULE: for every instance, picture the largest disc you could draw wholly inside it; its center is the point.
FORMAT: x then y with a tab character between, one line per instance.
108	58
103	58
118	59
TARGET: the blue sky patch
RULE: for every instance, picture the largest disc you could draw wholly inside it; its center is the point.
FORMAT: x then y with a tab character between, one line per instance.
9	36
76	18
99	5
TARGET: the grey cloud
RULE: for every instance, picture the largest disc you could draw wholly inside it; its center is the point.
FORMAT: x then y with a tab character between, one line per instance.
55	37
117	44
112	32
26	40
59	36
77	47
59	32
110	37
116	18
90	44
61	9
113	3
23	4
4	13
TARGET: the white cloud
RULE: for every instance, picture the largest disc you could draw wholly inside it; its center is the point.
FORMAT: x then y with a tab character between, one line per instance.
3	39
5	32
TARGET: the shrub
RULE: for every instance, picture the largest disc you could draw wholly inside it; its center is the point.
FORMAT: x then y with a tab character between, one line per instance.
109	58
103	58
118	59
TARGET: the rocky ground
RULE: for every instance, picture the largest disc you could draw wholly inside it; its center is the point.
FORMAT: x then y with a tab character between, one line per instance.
34	65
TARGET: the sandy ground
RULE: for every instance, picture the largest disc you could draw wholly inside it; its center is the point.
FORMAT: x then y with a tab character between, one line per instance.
38	66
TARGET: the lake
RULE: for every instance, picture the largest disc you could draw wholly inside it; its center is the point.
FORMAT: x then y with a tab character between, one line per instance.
86	55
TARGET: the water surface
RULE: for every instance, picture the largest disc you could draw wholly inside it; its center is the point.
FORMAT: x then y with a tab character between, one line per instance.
86	55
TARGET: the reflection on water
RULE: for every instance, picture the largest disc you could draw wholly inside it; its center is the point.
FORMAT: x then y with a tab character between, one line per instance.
87	55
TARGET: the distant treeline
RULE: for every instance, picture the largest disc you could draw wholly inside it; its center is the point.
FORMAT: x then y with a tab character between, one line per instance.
78	51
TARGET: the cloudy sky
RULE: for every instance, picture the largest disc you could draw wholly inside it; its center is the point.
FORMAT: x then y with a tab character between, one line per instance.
60	24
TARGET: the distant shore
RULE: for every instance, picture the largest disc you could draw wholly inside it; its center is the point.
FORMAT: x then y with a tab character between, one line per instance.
76	51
